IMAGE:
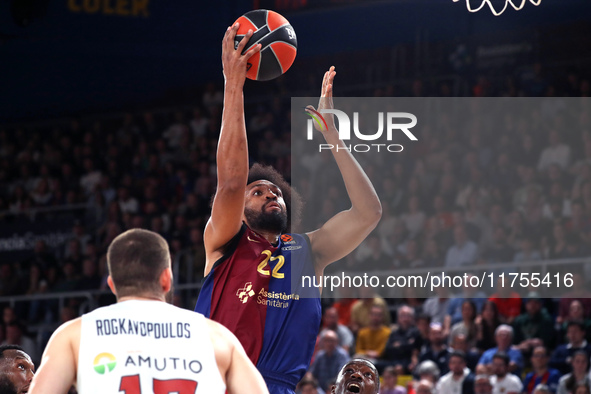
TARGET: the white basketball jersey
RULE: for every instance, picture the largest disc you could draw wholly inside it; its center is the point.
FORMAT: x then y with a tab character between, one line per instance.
146	347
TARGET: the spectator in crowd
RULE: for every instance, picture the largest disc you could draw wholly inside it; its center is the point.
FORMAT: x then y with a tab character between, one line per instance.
360	310
534	327
89	280
371	340
390	382
579	292
329	360
330	321
542	389
16	370
459	342
576	312
582	389
486	324
377	259
414	218
437	306
459	379
127	203
556	153
575	333
463	252
308	386
540	374
428	370
500	251
508	301
404	343
467	325
344	304
579	375
455	310
8	285
527	252
15	333
437	350
482	384
422	322
424	386
502	381
503	339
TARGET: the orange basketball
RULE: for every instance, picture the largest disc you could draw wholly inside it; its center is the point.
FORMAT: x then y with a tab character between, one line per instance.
278	43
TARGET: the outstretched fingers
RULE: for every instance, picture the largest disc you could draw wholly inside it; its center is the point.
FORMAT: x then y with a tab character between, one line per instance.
244	40
327	82
252	50
228	40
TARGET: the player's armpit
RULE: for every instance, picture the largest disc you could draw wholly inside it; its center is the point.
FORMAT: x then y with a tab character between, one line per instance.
58	367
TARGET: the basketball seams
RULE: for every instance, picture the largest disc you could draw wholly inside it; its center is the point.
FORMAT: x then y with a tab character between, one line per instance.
254	24
276	58
260	22
270	32
260	63
283	42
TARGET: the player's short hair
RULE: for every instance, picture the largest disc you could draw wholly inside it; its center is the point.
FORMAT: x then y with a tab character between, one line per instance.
3	348
136	260
293	201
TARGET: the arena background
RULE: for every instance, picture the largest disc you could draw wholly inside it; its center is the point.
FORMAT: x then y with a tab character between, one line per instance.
110	113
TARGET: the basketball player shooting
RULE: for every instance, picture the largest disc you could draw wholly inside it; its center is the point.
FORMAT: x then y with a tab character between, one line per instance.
250	256
141	344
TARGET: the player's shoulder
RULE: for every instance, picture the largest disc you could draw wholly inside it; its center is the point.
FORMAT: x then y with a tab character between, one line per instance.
68	331
71	325
219	331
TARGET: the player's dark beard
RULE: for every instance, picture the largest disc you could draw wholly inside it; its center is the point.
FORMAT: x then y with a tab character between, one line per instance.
6	386
275	221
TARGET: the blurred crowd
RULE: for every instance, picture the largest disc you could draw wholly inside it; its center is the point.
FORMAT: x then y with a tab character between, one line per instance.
506	194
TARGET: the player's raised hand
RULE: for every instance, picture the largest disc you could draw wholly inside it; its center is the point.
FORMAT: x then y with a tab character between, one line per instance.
233	61
325	101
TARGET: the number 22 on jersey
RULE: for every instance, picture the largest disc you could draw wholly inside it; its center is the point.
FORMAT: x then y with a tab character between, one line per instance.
262	268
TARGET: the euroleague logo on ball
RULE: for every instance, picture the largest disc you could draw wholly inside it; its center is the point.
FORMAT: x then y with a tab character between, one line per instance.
392	120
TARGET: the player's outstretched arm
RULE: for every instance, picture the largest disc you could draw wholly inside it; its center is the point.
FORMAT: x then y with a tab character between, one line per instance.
241	375
59	363
341	234
232	153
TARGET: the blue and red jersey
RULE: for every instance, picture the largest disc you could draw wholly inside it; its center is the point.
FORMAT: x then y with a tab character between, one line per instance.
255	291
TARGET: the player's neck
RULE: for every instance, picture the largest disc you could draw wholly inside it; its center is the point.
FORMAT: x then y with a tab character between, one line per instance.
271	237
141	298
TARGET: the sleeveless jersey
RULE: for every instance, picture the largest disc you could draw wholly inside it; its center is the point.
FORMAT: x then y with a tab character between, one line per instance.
250	291
146	347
